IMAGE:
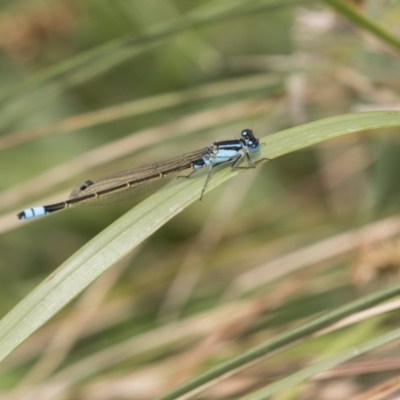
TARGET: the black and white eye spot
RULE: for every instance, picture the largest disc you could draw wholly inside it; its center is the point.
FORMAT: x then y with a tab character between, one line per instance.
247	133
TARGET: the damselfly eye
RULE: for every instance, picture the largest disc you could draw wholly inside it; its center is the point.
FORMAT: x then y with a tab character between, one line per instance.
246	132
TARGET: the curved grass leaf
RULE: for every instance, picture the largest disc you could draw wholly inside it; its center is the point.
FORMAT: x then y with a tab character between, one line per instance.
200	383
135	226
362	21
321	366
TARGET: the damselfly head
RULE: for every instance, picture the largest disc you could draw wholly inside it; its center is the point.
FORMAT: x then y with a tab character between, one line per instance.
250	140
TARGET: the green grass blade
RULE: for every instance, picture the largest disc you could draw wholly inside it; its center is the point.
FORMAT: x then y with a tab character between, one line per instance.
225	369
127	232
319	367
362	21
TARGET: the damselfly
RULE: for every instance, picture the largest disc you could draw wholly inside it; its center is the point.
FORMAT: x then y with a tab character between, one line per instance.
124	184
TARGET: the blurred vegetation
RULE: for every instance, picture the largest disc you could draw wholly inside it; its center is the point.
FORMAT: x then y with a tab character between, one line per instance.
90	88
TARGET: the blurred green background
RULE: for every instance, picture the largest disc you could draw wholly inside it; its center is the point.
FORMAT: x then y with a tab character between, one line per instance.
88	88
